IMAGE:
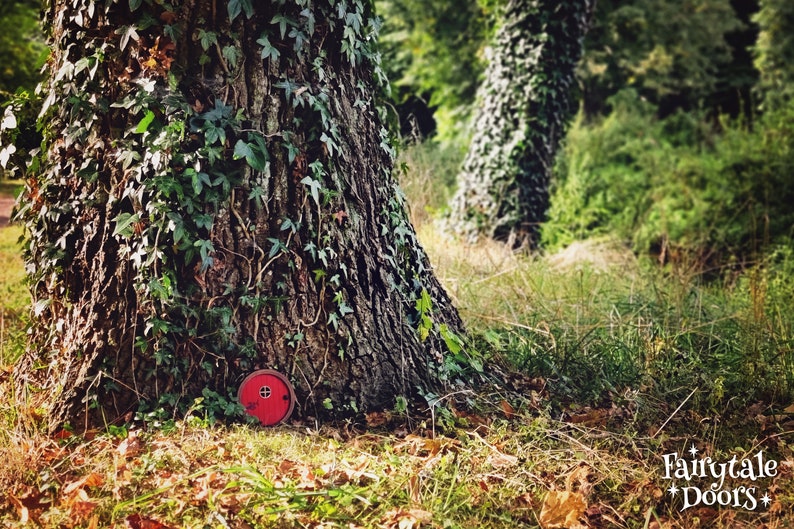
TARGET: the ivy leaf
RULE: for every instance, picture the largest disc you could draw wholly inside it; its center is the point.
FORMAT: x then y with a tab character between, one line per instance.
207	38
268	50
232	55
143	124
314	188
199	180
235	7
242	150
135	4
452	340
124	224
9	120
205	249
255	154
309	16
5	154
288	87
127	33
282	22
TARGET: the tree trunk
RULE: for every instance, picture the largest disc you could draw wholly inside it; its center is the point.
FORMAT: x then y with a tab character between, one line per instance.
216	197
525	99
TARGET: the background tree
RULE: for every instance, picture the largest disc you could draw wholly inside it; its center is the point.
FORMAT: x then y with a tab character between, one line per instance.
774	51
21	46
525	101
433	56
675	53
215	196
22	53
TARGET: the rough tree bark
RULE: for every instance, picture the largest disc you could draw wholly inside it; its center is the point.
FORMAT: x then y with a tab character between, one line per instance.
215	197
525	102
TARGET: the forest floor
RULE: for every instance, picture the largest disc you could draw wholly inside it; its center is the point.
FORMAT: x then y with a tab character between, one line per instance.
608	432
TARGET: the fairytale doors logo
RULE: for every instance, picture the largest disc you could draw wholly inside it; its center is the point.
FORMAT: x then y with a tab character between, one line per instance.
690	480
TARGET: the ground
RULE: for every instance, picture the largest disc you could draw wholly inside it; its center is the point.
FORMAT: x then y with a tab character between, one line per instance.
6	205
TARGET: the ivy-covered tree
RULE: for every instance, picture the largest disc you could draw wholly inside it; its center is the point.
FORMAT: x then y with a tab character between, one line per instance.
525	102
215	196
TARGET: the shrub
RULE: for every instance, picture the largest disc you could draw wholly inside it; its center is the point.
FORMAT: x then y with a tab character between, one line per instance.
679	186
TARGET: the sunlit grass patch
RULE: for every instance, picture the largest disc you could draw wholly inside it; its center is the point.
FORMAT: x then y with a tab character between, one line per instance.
14	297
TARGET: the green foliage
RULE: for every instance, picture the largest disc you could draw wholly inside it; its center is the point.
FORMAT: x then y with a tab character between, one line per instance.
774	51
675	185
670	51
22	49
434	50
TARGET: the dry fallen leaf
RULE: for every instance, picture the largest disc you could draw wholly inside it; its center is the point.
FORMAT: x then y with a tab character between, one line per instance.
561	510
508	410
91	480
136	521
406	518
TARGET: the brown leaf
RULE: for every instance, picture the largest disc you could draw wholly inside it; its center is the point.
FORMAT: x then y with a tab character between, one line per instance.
377	418
130	446
590	417
29	506
579	480
81	510
91	480
136	521
561	510
407	518
340	216
168	17
508	410
427	447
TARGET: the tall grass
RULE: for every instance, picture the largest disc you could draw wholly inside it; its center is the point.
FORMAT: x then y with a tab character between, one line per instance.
609	329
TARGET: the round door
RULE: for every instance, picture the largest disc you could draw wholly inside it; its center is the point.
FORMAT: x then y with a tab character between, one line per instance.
268	396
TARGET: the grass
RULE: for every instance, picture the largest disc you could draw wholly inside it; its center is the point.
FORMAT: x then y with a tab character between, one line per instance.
14	299
618	363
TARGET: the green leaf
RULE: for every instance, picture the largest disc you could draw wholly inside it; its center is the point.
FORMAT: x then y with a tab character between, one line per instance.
235	7
205	249
135	4
143	124
268	50
255	155
242	150
314	188
424	304
282	22
232	55
452	340
207	38
124	224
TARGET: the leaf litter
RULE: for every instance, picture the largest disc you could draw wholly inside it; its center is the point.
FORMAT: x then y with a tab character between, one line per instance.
522	468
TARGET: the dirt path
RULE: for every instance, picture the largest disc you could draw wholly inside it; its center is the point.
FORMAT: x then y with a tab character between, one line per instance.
6	204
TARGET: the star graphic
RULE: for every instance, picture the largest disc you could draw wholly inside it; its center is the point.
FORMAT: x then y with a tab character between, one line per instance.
673	490
693	451
766	499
